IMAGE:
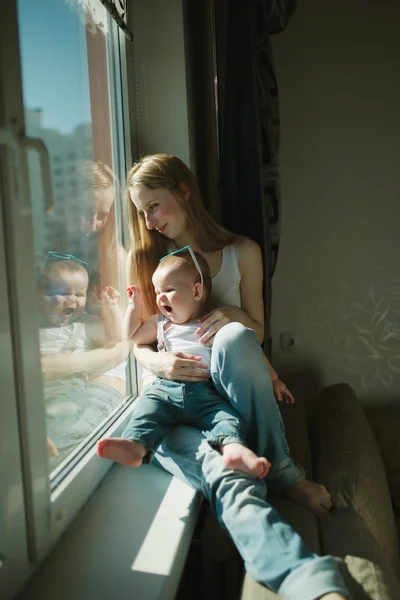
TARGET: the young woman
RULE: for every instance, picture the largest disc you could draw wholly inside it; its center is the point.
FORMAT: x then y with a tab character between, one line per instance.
166	213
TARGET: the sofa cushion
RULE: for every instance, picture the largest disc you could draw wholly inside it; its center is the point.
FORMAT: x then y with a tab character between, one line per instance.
348	462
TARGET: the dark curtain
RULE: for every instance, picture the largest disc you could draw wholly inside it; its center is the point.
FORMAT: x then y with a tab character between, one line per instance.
248	125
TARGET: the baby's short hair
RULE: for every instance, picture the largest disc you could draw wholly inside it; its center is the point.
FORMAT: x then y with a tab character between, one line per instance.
185	261
52	269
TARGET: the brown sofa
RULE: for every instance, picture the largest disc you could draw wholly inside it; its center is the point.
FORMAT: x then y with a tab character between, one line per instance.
337	447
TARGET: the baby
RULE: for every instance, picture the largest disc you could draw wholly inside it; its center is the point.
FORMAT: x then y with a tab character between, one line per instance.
62	289
182	285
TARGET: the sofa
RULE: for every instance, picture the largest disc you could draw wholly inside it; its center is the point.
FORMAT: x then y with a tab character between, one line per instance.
358	460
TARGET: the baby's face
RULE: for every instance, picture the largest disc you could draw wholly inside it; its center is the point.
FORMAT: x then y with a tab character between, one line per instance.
65	300
176	295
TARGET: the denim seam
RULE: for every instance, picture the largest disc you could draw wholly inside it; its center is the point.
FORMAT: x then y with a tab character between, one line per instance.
223	439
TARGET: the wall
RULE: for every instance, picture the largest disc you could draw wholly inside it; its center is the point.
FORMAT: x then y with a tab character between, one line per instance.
337	286
157	63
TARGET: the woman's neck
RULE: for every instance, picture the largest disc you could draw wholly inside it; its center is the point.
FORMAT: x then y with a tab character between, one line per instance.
186	239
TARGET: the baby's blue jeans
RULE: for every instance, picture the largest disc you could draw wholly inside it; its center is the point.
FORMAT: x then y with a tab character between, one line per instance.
273	553
164	404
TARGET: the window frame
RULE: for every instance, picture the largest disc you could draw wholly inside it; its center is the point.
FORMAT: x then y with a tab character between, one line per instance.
44	514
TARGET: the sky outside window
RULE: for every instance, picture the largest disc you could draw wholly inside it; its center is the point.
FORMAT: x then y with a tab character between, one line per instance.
54	63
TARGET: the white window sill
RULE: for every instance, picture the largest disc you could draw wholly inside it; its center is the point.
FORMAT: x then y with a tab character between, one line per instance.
130	541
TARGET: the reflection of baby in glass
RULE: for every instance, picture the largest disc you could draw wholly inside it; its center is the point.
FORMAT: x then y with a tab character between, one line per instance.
182	284
76	399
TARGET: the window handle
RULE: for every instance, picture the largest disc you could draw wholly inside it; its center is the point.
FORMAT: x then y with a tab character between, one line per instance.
14	142
38	145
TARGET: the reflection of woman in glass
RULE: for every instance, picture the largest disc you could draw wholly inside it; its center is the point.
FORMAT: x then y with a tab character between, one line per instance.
98	219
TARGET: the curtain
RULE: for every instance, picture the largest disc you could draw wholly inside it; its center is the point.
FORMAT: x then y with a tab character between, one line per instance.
248	125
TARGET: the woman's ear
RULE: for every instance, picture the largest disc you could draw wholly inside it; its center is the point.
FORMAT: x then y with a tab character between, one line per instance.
184	190
198	291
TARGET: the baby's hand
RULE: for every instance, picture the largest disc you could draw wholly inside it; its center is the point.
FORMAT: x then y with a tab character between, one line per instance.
108	295
281	392
52	448
134	295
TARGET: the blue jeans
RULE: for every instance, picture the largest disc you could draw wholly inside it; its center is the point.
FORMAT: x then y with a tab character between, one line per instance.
273	553
164	404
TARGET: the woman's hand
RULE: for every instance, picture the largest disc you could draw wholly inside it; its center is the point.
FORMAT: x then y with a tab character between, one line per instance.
281	391
214	320
175	366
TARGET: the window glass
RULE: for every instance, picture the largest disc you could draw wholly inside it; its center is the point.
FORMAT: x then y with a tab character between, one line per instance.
66	47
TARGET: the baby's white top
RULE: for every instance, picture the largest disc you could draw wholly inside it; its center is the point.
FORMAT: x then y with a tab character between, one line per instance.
69	338
181	338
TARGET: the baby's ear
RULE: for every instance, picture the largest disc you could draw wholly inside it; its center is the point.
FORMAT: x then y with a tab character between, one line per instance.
198	291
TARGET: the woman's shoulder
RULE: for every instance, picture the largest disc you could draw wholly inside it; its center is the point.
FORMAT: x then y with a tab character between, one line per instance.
248	251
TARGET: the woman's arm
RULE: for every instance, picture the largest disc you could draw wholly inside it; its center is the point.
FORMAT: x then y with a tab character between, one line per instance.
251	293
251	285
57	366
251	313
176	366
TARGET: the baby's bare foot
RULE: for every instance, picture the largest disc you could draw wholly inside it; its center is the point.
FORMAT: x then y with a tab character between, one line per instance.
239	458
313	496
332	596
120	450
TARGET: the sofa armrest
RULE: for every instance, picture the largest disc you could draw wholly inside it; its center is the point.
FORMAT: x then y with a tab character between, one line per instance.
349	464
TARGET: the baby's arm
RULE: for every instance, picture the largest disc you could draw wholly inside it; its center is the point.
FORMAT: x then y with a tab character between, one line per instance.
106	332
271	369
280	390
134	329
112	317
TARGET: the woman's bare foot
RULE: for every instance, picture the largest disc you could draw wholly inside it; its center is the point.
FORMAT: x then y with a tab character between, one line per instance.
120	450
239	458
313	496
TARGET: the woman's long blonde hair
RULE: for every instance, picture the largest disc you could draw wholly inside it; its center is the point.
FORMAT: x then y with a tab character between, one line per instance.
148	246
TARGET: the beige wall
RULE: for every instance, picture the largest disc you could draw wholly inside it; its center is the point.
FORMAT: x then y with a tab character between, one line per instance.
157	72
337	286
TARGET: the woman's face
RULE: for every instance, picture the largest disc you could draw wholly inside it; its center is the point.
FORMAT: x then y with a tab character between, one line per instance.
161	211
98	204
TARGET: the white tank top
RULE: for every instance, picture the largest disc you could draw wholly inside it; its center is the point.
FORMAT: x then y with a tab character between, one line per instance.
226	283
181	338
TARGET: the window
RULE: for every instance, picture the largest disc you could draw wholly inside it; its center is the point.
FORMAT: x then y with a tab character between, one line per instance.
64	262
80	270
